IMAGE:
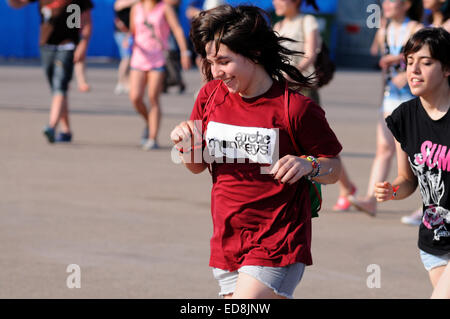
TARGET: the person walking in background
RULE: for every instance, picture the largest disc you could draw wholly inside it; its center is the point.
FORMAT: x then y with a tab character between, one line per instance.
305	30
403	20
262	221
421	128
60	47
439	17
122	36
150	25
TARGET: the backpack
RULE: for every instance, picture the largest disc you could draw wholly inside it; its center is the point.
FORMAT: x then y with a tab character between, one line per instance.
323	64
315	189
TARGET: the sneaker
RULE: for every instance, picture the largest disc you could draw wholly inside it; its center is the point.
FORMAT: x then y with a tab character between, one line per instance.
49	133
150	145
144	137
343	204
415	219
120	89
182	88
64	137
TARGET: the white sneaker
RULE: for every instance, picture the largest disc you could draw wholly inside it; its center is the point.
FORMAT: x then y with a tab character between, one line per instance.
150	145
414	219
120	89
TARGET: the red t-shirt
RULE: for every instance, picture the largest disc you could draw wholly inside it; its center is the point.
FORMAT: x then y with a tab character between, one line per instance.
256	219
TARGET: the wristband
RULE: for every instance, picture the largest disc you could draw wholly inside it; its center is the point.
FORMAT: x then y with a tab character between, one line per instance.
187	151
394	190
315	165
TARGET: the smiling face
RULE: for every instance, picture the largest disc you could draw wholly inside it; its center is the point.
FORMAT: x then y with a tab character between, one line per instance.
425	74
235	70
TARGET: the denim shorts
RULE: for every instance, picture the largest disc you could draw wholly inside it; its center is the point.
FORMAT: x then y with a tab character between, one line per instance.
283	280
432	261
58	67
158	69
119	37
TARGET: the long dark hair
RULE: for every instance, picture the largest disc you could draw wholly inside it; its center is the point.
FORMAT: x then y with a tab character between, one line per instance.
438	41
245	31
415	12
445	10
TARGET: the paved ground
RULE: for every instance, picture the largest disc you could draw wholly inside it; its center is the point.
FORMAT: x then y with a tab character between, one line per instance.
139	226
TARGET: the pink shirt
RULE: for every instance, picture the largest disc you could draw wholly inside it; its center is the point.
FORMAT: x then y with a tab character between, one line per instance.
151	37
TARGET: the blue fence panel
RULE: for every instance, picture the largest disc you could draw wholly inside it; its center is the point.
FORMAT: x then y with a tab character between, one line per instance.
22	38
102	40
22	35
20	31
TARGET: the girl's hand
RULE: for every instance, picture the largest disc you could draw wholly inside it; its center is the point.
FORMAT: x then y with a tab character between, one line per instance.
388	60
290	169
383	191
80	52
400	80
185	61
182	132
187	134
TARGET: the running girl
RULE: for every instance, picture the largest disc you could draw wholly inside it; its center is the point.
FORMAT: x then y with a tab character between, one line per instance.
421	128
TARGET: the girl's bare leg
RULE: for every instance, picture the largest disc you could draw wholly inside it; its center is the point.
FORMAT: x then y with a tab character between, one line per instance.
155	85
380	167
138	81
440	279
59	111
247	287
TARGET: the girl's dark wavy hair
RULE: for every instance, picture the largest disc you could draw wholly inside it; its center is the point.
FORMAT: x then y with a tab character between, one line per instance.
245	31
438	41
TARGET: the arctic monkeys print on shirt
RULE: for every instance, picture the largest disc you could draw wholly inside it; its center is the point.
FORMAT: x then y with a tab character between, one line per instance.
240	142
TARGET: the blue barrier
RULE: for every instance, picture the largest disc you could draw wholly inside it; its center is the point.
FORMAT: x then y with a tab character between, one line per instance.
22	38
22	35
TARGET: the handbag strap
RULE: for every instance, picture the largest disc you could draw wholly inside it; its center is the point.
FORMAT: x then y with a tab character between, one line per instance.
208	109
288	121
210	100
